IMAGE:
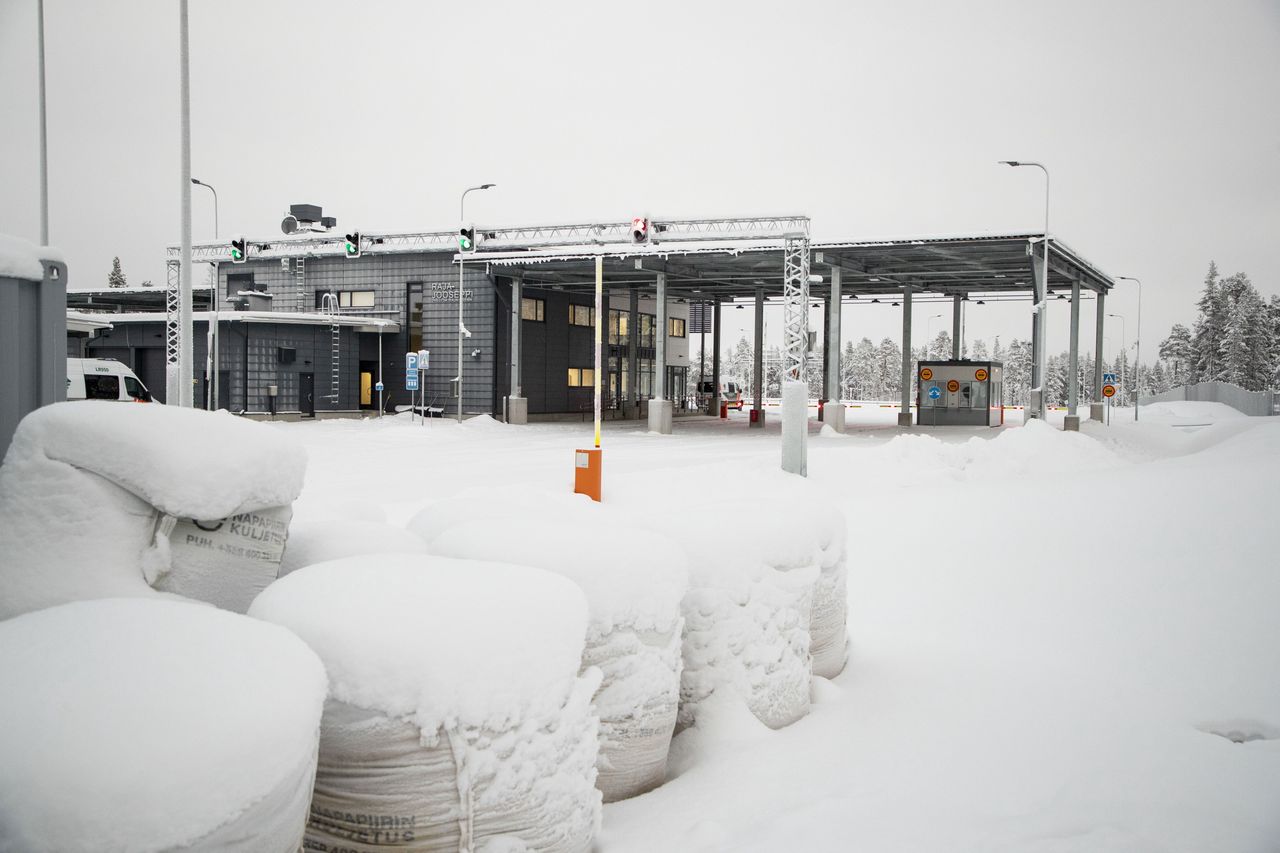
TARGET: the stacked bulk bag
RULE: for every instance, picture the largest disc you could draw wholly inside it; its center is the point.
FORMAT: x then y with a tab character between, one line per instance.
155	726
456	717
766	586
319	541
634	581
102	499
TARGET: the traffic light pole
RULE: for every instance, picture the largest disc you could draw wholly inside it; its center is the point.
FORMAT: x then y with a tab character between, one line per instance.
184	377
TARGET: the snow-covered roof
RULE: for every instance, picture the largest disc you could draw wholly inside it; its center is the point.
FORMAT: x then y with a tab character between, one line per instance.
297	318
79	321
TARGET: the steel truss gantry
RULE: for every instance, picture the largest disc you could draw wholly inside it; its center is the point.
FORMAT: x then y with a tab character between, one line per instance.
173	331
795	300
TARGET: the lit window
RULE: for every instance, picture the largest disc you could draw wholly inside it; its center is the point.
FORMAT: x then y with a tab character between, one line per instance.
533	309
676	327
582	315
362	299
582	377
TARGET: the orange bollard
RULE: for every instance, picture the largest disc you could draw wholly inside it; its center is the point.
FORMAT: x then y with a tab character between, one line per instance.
724	410
586	473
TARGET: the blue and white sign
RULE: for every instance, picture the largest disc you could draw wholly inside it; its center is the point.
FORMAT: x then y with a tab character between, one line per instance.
411	371
935	392
1110	378
379	387
424	359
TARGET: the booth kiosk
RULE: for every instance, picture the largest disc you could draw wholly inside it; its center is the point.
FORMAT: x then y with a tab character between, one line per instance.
960	393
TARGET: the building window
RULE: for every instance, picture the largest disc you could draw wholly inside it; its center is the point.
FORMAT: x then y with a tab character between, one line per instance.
582	377
618	323
675	327
648	323
582	315
533	309
348	298
237	282
413	309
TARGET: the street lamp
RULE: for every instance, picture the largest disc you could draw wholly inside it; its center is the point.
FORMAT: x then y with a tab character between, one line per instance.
1041	308
1123	349
462	329
1137	348
201	183
928	333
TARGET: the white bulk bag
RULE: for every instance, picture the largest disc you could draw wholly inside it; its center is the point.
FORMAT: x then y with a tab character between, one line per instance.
320	541
456	715
634	581
155	726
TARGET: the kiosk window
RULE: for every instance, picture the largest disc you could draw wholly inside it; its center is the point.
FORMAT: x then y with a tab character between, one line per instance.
979	400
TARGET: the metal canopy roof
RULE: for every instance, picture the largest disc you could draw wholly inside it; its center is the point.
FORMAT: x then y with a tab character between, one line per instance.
977	266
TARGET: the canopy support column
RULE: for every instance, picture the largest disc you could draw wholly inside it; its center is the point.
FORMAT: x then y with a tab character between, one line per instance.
660	408
955	328
517	405
1096	407
904	414
1072	421
833	412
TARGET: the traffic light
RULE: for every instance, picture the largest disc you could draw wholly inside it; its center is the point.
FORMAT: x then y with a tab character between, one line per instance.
239	251
640	230
467	238
352	246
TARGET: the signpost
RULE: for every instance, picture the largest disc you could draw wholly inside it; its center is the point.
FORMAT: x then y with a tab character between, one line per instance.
411	378
1108	391
424	362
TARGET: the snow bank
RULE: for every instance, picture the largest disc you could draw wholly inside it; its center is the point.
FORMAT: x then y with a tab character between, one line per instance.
767	579
21	259
154	725
319	541
102	499
455	712
634	582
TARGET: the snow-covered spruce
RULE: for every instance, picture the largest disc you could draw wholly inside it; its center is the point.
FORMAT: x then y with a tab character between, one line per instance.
313	542
99	499
634	581
155	725
455	714
764	572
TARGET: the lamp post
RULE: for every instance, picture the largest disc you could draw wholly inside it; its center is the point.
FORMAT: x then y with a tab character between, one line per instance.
44	136
1123	349
1041	308
211	345
928	333
462	329
1137	348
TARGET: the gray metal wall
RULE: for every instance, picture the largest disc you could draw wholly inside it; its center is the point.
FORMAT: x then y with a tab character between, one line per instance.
1250	402
33	345
389	276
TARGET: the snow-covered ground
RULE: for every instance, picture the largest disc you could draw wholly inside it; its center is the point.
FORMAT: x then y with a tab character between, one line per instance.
1053	636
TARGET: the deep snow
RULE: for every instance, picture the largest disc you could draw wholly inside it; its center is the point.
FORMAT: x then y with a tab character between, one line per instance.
1046	628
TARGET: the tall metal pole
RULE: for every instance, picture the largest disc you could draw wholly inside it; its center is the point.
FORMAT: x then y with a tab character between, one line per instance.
44	136
1123	349
211	338
462	329
1041	308
184	290
1137	348
599	321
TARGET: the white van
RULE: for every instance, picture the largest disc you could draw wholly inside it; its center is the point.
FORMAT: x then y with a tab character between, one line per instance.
104	379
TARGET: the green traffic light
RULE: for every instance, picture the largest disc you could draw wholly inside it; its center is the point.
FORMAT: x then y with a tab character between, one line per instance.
235	254
351	250
464	243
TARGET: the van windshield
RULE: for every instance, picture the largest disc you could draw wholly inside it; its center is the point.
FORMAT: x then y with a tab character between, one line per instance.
134	388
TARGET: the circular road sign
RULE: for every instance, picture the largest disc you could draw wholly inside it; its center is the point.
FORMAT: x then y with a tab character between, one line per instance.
1108	391
926	373
953	386
935	392
980	374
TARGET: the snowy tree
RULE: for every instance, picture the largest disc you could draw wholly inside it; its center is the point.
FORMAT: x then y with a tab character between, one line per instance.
997	352
889	369
741	363
1210	326
940	347
116	277
773	372
1177	351
1017	373
862	370
1273	309
1245	350
979	352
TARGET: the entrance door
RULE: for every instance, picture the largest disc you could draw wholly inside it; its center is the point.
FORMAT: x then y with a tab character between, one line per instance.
307	394
368	370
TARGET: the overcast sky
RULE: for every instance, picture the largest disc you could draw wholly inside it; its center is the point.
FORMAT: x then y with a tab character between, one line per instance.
1159	121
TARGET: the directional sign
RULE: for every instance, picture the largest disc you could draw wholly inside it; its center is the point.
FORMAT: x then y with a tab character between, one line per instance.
1108	391
953	386
980	374
411	371
926	373
935	392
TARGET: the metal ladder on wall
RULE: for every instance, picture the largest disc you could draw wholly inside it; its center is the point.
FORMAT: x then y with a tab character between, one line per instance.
329	306
300	278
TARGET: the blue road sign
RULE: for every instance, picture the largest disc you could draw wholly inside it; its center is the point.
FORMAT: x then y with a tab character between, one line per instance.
1110	378
935	392
411	371
378	387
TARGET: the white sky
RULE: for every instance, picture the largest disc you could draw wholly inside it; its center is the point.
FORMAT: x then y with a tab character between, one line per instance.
1158	121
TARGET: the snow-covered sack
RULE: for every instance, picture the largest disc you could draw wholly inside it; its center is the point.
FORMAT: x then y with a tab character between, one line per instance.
456	716
313	542
155	725
766	588
634	581
101	499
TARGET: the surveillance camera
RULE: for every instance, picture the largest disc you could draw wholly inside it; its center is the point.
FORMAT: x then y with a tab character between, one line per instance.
475	353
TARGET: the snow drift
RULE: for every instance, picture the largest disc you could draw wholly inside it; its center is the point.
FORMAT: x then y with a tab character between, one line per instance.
155	725
320	541
455	714
104	499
